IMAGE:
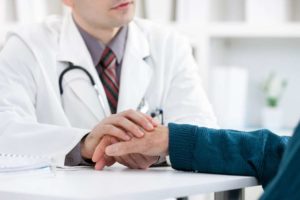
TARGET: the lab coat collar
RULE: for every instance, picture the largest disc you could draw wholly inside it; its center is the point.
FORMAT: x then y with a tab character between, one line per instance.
136	70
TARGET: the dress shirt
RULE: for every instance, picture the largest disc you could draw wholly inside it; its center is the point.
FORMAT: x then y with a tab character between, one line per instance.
96	48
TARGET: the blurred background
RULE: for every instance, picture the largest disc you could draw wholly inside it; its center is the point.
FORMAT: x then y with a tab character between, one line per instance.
248	53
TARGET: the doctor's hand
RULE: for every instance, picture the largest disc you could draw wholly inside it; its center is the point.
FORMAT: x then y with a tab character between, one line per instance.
136	160
122	126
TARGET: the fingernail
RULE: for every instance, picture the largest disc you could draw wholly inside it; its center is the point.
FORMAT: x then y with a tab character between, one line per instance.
149	126
127	138
156	121
141	133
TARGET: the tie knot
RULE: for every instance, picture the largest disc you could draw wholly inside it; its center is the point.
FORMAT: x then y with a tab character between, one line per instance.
108	58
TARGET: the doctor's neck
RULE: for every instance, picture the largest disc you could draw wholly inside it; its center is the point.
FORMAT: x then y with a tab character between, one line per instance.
102	34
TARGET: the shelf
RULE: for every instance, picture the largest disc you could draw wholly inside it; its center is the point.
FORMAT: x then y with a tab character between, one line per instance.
239	30
254	31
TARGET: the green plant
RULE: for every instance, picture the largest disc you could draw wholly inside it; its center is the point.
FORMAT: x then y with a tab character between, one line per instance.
274	88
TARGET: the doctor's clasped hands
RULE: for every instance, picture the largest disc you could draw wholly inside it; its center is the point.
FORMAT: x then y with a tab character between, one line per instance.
154	143
119	127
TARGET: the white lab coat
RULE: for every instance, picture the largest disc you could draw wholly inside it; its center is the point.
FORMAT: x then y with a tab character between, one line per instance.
35	119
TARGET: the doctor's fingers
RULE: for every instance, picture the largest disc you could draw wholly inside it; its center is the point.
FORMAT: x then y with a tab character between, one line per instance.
143	162
141	119
105	161
109	161
99	152
100	164
126	125
150	119
153	121
127	161
121	161
112	130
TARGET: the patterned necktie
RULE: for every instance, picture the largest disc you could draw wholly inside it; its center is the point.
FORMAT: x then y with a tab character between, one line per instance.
108	74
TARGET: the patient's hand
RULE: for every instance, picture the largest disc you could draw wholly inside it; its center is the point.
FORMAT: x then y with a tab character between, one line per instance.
134	161
138	153
154	143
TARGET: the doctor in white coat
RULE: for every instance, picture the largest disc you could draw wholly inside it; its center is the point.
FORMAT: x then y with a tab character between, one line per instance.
157	68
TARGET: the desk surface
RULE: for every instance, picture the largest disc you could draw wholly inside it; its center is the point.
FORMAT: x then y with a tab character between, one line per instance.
118	183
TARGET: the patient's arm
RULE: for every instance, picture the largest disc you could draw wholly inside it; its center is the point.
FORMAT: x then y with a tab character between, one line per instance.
193	148
256	153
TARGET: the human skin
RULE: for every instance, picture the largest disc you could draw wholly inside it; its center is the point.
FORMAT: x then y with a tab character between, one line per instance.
153	143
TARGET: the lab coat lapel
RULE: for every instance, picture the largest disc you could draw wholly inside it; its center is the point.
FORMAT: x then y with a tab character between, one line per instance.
136	73
73	49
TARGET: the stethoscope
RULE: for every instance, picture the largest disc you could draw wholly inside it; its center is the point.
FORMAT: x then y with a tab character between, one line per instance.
72	67
143	106
156	114
95	86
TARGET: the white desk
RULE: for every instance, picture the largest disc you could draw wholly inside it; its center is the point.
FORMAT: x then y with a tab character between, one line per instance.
118	183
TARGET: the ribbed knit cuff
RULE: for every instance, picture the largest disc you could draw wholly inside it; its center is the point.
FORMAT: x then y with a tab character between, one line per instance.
182	140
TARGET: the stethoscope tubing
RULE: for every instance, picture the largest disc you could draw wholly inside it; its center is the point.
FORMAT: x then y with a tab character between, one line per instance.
71	67
157	112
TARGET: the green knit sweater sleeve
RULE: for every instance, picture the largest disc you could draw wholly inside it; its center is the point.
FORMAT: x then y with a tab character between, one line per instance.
206	150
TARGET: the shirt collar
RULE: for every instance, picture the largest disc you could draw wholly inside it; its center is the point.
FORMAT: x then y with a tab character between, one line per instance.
96	48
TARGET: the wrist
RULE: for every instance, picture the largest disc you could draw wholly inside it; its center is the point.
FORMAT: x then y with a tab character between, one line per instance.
165	141
83	148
